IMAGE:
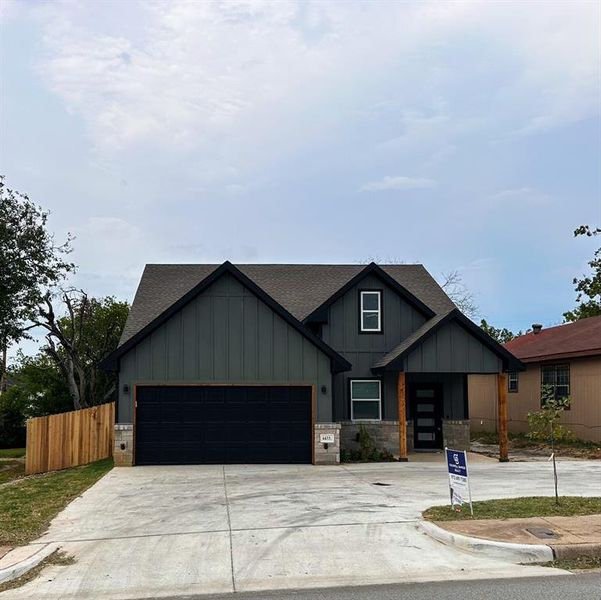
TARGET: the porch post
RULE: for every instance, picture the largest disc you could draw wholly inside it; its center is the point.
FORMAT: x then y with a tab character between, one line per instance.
401	396
502	405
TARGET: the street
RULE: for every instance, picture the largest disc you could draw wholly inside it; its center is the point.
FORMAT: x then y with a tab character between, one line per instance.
563	587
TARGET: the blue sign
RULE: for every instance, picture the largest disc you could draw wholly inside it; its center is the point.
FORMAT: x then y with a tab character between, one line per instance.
459	484
456	462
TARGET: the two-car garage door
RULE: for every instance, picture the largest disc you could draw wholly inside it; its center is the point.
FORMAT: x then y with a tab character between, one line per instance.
223	424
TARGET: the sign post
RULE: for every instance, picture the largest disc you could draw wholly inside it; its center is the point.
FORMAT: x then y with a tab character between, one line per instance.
459	484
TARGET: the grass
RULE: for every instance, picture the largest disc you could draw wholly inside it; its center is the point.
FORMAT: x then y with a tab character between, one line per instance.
575	564
56	558
28	506
12	452
11	469
536	506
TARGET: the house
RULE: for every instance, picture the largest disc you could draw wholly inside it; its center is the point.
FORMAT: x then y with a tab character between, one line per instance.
273	363
566	357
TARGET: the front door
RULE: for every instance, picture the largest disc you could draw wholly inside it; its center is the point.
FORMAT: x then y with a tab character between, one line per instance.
426	404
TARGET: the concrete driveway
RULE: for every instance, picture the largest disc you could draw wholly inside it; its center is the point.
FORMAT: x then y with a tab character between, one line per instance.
153	531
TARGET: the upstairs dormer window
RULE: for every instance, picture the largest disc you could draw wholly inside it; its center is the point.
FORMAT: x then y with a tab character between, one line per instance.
370	311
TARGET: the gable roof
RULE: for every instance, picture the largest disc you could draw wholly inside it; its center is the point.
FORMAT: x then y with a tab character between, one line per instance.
299	289
581	338
393	359
338	362
372	269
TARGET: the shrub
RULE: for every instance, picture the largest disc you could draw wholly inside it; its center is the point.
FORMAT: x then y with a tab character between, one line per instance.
544	424
367	451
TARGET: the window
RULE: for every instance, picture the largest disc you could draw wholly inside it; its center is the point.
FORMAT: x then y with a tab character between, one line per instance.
366	400
370	318
512	382
558	377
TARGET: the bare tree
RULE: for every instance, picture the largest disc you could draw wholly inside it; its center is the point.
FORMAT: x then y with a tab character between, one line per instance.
457	291
62	338
78	339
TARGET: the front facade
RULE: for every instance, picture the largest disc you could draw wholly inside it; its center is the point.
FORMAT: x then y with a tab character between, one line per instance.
567	358
284	363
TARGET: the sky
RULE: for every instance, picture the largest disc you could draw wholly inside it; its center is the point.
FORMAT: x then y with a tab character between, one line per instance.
462	135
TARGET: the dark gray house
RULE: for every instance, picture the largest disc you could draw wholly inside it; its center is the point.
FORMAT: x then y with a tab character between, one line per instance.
282	363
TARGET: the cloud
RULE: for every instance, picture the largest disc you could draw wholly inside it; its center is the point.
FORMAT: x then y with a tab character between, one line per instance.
195	75
398	183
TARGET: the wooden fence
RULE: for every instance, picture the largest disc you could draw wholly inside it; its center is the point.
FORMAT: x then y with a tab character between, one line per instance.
69	439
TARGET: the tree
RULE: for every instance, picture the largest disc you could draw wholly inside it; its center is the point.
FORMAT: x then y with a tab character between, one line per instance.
78	341
37	389
544	424
458	292
30	264
588	287
501	335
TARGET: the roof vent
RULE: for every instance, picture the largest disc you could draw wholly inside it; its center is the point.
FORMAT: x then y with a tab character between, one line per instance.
536	327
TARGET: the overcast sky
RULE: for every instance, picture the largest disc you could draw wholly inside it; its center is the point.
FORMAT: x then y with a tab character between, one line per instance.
461	135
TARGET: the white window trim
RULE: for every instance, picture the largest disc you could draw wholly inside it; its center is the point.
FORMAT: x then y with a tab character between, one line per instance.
513	376
378	400
378	293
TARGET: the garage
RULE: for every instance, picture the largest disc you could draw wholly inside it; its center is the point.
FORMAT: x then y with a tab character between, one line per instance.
223	424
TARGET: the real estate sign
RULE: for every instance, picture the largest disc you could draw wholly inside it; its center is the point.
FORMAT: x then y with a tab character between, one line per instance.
459	484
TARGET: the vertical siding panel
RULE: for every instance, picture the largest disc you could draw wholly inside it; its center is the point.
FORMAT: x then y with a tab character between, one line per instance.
174	347
265	341
158	346
280	349
250	328
309	361
189	341
443	349
295	356
235	336
205	337
143	359
220	337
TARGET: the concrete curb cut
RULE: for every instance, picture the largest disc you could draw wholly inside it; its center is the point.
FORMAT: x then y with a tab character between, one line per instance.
517	553
21	567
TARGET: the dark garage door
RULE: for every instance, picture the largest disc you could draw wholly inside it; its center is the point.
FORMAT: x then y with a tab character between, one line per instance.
223	424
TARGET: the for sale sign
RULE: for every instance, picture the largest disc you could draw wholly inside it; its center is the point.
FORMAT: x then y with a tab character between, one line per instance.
459	484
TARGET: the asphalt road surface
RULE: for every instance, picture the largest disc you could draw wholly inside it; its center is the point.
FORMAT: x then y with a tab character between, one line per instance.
585	586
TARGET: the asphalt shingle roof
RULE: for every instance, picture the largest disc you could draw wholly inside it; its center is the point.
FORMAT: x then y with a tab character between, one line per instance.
300	289
581	338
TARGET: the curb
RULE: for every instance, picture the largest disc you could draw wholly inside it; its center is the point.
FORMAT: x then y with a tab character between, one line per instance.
570	551
518	553
23	565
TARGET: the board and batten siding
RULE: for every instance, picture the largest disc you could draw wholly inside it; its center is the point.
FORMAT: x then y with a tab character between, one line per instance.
583	418
452	349
399	320
225	335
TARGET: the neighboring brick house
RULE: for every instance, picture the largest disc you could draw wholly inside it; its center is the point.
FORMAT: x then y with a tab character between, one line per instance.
283	363
567	357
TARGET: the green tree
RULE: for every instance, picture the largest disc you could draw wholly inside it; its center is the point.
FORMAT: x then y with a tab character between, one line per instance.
588	287
80	339
501	335
30	264
544	424
37	388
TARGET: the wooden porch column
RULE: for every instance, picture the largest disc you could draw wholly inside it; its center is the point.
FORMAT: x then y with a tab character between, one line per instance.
401	396
502	405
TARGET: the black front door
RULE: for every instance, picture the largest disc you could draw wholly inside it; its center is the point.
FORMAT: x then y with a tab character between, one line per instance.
426	405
